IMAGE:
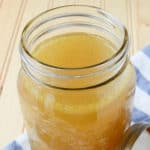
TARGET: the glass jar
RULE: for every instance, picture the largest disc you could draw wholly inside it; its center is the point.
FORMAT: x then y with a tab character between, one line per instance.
86	108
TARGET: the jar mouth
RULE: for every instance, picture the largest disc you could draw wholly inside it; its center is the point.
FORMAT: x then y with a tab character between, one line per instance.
117	56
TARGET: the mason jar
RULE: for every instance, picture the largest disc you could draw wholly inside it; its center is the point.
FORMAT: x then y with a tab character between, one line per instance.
76	108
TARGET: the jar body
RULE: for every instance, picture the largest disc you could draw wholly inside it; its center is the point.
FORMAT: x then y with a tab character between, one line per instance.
87	119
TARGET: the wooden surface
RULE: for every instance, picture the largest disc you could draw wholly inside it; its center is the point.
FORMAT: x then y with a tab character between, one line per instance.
14	14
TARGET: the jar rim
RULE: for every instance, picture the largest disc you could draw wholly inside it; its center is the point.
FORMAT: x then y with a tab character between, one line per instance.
124	45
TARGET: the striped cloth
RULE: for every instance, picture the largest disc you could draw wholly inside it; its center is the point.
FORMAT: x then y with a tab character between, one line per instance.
141	111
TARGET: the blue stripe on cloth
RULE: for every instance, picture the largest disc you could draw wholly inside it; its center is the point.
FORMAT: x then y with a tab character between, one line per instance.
13	146
140	116
146	50
142	82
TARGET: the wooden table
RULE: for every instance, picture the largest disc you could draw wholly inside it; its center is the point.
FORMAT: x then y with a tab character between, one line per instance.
14	14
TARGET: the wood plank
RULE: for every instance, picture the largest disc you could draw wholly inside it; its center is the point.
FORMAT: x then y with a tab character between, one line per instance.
89	2
57	3
132	26
143	22
118	8
8	30
11	124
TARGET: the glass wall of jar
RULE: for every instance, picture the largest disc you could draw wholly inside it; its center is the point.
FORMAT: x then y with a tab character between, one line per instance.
76	108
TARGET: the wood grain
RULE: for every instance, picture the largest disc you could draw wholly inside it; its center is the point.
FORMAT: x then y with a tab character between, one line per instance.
11	122
7	30
14	14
